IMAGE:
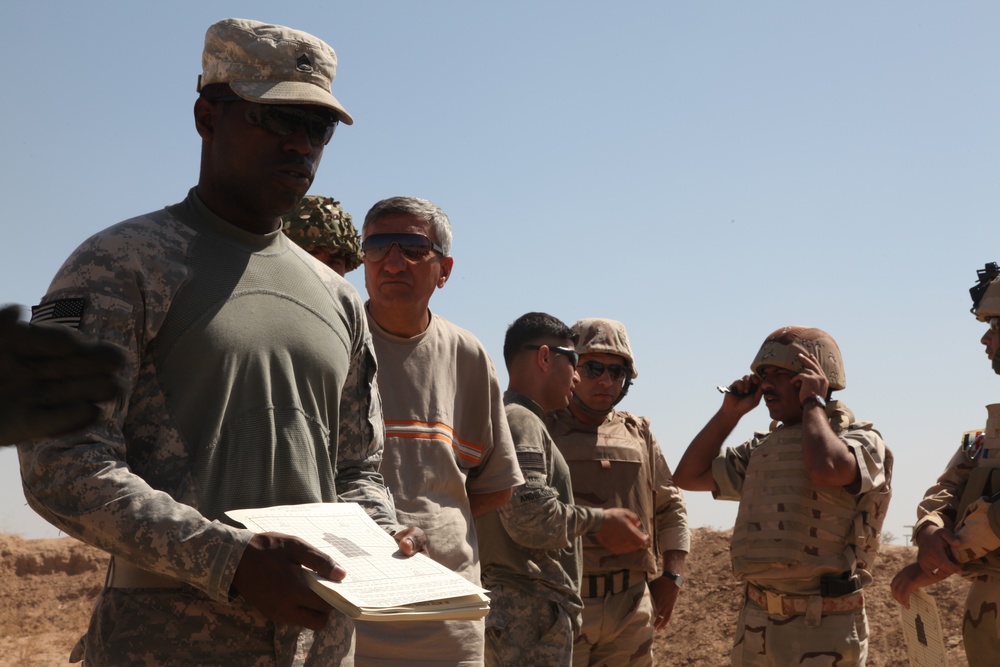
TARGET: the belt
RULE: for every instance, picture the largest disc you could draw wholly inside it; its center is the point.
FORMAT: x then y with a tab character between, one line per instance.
122	574
609	583
794	605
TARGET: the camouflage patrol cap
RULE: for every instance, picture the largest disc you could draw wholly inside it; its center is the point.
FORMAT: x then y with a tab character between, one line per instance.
605	337
270	64
782	349
320	222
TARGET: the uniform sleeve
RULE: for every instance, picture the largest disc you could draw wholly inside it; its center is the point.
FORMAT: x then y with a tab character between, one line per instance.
535	517
729	469
81	483
940	504
671	512
870	452
498	469
362	438
978	532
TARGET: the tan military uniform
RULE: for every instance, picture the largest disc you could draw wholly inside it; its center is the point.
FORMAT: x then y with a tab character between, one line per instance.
964	500
620	464
804	551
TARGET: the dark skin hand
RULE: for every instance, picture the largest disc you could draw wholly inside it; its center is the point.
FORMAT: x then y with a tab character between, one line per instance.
51	379
270	577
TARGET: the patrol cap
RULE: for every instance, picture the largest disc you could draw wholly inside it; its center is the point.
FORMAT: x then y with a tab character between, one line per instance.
782	349
270	64
986	293
604	337
321	222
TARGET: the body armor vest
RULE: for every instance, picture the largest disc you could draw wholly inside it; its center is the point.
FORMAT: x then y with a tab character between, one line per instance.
982	448
611	466
788	528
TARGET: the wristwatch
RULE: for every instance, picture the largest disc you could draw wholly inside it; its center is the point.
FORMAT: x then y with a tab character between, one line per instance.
815	398
678	578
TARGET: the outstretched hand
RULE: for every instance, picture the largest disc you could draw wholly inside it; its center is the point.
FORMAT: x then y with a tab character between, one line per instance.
270	578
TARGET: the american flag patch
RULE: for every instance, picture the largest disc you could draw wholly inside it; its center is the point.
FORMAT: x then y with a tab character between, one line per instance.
68	312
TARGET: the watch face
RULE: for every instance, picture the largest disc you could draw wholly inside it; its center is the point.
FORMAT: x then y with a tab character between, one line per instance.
678	578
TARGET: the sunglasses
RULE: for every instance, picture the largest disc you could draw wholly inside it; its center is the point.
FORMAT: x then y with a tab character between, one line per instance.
595	369
569	353
284	120
413	247
994	323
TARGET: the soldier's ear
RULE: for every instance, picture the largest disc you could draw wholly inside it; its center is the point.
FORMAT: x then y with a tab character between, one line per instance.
447	263
204	118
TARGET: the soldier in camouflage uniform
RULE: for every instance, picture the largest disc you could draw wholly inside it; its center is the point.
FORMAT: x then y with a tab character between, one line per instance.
630	580
813	492
958	521
324	230
51	379
531	548
220	410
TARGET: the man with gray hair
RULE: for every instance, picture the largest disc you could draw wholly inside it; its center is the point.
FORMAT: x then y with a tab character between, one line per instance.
449	456
219	411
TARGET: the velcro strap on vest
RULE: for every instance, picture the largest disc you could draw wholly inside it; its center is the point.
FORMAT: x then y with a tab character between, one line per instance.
777	604
122	574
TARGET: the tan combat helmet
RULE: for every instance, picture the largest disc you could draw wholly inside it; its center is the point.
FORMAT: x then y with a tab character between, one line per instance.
320	222
986	300
603	336
782	349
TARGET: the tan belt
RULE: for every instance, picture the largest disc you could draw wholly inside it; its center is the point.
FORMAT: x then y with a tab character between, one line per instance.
794	605
122	574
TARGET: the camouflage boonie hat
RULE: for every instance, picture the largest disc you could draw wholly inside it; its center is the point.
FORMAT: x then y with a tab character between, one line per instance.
270	64
604	337
782	349
320	222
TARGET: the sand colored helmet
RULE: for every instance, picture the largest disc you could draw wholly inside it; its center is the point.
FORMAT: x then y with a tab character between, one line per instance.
782	349
320	222
606	337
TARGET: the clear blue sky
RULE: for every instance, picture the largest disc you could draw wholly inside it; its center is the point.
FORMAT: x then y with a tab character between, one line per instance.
703	171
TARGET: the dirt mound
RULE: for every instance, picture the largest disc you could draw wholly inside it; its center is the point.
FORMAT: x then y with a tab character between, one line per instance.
48	588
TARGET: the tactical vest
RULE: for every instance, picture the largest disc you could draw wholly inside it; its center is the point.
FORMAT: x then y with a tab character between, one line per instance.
611	466
982	448
787	528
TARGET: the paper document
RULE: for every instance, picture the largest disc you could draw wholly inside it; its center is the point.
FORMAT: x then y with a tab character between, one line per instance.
380	580
922	630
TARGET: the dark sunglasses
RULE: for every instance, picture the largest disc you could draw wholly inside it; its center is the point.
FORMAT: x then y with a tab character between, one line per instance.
413	247
569	353
284	120
994	323
595	369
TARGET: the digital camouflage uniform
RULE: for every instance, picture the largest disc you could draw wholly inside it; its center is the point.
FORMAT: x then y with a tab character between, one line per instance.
249	382
804	551
531	551
320	222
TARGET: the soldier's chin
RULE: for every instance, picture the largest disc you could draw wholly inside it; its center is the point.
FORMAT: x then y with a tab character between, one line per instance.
996	363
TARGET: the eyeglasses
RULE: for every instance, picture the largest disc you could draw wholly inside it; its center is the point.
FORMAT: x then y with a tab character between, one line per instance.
994	323
595	369
569	353
283	119
414	247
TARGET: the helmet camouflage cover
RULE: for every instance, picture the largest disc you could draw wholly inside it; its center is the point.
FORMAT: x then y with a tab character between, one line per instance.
320	222
606	337
782	349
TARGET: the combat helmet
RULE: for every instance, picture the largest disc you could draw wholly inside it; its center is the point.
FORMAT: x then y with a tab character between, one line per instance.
782	348
986	299
320	222
606	337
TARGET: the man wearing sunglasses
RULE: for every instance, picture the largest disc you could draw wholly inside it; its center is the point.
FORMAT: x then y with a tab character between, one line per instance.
813	491
531	547
448	452
248	382
958	521
324	229
615	461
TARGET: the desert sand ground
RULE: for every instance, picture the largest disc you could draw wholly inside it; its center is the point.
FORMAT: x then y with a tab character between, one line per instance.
47	588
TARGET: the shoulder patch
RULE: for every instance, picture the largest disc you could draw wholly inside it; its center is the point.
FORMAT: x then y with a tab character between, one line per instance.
531	460
68	312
